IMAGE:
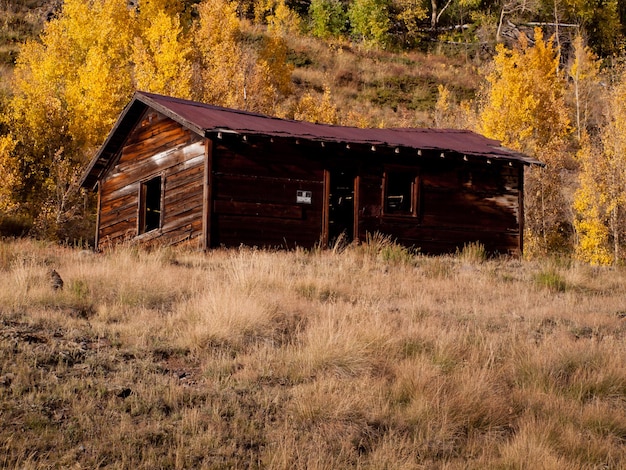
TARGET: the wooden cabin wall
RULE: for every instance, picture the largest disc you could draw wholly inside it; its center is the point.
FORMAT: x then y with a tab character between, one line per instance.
458	202
157	146
254	195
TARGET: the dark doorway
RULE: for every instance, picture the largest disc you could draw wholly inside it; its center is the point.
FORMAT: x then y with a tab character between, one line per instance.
341	201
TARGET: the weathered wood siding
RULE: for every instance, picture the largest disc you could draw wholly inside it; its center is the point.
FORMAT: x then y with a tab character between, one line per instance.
157	146
458	202
254	195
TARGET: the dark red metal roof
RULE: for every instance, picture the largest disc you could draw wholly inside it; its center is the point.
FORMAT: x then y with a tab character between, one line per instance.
208	120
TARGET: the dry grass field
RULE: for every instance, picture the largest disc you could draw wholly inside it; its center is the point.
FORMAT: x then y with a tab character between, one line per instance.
362	357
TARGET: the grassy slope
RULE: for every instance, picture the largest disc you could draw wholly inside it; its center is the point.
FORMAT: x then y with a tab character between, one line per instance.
384	89
366	358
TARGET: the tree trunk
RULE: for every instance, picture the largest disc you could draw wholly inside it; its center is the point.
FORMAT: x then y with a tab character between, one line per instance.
500	25
433	16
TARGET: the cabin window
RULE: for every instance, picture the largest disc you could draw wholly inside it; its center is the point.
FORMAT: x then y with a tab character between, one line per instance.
150	205
400	192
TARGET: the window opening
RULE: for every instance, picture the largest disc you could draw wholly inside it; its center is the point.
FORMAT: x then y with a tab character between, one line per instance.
150	205
400	193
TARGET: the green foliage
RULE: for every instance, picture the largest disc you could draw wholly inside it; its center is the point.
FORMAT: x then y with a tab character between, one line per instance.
600	21
328	18
370	22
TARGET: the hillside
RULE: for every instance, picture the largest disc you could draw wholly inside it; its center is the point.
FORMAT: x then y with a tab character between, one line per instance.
385	88
363	357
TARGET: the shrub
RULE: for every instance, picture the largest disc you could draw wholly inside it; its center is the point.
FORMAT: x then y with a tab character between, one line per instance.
473	252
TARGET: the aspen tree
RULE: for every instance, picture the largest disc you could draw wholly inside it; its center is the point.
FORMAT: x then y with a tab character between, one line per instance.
525	108
271	79
68	88
614	151
584	78
592	204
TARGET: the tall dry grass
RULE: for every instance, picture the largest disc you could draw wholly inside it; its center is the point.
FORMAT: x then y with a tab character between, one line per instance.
363	357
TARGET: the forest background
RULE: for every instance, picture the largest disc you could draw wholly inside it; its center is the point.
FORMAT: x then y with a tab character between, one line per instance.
546	77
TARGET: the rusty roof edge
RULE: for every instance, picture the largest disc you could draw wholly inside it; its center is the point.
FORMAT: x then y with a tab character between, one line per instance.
526	159
499	152
147	100
87	179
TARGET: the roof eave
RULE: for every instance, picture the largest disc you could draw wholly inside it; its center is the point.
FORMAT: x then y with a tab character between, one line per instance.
98	164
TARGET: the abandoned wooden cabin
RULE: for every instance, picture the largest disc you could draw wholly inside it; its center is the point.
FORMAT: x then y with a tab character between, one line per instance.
173	170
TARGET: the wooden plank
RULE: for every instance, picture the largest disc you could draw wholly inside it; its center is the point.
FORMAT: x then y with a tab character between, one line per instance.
111	218
122	230
184	193
159	147
446	239
467	209
357	197
278	191
124	176
119	203
171	212
232	230
249	161
181	219
257	209
177	176
520	208
163	136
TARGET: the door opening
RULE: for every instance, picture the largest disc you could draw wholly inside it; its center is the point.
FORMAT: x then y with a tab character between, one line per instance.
341	205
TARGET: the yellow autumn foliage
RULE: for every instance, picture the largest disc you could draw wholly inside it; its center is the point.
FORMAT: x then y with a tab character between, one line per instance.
220	54
314	108
9	174
524	106
525	109
590	206
162	57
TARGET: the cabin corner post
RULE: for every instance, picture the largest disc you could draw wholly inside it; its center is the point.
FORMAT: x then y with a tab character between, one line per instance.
521	215
207	196
97	235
